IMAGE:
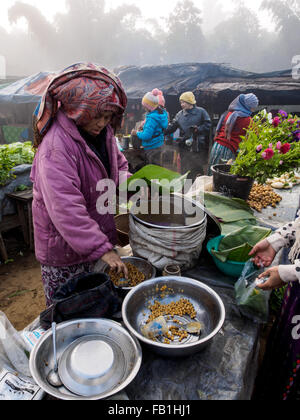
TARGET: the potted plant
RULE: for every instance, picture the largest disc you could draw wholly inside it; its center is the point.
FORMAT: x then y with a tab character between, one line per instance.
270	148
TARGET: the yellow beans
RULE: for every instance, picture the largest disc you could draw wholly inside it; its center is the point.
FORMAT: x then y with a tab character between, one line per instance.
135	276
180	308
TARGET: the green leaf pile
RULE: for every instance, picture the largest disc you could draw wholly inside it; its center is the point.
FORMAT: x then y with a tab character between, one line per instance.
158	177
12	155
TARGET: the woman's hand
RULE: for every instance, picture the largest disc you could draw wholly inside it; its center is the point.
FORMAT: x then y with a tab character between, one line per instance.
115	263
274	281
263	253
133	132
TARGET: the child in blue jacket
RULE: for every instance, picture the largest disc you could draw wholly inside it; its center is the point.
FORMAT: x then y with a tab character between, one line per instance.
157	120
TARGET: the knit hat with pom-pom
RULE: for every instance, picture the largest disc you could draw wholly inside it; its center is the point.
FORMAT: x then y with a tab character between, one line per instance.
153	100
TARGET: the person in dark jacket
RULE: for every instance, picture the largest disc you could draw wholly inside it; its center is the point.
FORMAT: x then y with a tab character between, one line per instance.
194	125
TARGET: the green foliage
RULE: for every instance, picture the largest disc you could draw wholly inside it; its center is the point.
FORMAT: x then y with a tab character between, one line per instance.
276	300
263	136
12	155
156	176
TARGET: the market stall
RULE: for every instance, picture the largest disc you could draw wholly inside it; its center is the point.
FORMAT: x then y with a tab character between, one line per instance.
226	369
227	366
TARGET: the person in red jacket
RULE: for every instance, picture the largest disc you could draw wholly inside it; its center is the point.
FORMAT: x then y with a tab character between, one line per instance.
232	125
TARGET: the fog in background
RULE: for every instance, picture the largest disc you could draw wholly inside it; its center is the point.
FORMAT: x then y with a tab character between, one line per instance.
123	36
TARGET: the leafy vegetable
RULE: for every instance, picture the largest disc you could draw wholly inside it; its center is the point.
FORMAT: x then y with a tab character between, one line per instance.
237	245
12	155
156	175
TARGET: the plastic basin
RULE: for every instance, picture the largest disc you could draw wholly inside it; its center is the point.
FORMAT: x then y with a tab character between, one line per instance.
230	268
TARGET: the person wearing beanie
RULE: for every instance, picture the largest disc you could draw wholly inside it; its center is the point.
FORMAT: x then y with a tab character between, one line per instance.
194	125
152	131
188	97
232	125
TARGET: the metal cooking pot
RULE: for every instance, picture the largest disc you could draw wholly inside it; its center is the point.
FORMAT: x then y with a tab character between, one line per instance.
177	213
210	312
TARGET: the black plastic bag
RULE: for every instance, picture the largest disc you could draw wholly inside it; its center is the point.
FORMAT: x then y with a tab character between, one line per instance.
85	296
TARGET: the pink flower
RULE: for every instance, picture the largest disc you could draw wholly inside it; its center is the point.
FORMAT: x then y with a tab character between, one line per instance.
259	148
285	148
292	122
279	145
276	121
271	146
268	154
281	162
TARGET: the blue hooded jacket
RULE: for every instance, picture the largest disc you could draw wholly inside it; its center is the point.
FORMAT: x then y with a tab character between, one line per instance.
152	135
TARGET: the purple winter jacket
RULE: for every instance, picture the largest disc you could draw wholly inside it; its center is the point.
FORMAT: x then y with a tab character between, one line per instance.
68	229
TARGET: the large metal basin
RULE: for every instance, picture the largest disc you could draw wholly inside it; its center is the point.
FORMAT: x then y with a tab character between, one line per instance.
208	305
128	360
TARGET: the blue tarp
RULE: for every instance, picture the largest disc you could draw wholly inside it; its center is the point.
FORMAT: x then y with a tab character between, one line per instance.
28	90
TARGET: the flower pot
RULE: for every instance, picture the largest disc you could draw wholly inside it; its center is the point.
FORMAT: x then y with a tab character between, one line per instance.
231	185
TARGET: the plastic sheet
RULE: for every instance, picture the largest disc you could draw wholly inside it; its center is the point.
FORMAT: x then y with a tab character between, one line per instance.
15	378
22	173
252	302
182	248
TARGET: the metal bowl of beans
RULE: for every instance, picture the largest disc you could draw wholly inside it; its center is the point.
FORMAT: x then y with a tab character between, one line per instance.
141	271
175	302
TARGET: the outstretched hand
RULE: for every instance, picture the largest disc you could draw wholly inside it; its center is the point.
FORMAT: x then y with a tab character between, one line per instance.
263	254
274	281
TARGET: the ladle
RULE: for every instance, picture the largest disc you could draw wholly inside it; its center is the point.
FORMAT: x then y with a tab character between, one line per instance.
53	376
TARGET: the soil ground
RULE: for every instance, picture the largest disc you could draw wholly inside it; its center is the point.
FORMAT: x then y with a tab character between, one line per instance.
21	291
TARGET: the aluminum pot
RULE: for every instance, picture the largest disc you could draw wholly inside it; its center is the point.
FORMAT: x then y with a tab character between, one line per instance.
126	349
208	305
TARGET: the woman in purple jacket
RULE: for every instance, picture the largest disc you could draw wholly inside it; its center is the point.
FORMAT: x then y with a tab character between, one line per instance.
76	150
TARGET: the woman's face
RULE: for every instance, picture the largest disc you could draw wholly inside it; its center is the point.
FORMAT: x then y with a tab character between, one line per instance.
95	126
185	106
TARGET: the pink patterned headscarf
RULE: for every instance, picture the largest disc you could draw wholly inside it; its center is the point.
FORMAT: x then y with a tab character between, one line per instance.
82	92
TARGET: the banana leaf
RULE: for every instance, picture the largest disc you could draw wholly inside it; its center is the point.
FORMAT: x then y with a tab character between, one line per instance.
226	209
237	245
156	176
227	228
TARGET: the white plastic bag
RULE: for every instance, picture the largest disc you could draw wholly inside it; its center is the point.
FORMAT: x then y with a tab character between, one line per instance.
16	382
13	351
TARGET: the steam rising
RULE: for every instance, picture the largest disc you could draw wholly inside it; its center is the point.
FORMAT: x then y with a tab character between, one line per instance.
123	36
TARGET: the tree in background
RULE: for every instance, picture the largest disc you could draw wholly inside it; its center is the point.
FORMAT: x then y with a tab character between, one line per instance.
286	16
185	41
240	39
122	36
